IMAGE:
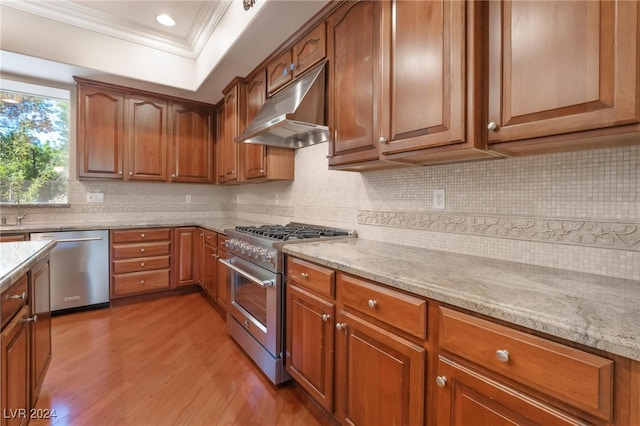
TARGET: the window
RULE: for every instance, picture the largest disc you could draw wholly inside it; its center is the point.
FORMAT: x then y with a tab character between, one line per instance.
34	143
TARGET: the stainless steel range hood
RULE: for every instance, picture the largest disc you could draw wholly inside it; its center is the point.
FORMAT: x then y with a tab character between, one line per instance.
294	117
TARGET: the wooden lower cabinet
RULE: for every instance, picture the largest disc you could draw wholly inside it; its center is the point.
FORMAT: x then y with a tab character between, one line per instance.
140	261
224	286
210	263
380	376
310	342
25	343
370	354
467	397
15	370
40	308
13	237
185	255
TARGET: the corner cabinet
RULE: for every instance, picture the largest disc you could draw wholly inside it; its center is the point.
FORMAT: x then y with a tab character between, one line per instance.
563	69
192	128
126	134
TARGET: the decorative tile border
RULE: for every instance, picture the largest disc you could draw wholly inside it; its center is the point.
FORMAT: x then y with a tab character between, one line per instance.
613	235
286	211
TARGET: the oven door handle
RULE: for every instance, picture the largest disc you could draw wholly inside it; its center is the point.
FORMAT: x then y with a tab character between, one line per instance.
257	281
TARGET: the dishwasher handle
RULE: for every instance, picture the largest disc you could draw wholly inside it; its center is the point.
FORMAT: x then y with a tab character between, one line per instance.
73	240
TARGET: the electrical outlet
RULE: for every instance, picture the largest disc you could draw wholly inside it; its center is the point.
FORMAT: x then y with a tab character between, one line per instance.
277	199
188	199
95	197
438	199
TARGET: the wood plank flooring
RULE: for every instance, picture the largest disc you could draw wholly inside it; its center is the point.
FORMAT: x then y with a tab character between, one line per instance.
167	361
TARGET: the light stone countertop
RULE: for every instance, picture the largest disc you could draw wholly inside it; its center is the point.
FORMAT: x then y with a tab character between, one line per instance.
218	224
593	310
16	258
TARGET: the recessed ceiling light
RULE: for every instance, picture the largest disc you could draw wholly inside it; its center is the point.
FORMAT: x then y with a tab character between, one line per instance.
165	20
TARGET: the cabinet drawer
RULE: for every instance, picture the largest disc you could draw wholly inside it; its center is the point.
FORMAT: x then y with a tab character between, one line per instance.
127	251
140	264
140	235
140	282
13	299
570	375
311	276
211	238
399	310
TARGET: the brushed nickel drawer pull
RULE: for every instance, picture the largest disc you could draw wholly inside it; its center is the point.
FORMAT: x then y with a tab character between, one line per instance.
16	296
325	317
441	381
304	275
372	303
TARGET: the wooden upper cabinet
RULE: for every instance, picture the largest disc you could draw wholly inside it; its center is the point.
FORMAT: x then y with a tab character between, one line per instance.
354	72
147	138
308	51
260	162
191	143
432	84
560	67
234	123
100	132
255	156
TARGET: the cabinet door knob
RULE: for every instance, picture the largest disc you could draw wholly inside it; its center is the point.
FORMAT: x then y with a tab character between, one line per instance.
372	303
120	173
441	381
341	326
304	275
141	263
141	282
492	126
325	317
130	173
382	139
141	235
173	176
141	250
503	355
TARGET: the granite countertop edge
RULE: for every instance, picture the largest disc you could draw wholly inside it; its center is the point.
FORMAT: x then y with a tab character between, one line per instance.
27	255
612	329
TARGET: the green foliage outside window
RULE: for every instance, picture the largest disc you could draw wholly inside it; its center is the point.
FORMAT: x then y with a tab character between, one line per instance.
34	148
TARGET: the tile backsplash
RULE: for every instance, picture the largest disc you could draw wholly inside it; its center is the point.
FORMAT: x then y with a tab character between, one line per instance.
577	211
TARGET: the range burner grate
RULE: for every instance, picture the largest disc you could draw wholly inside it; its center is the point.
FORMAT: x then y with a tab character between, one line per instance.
290	232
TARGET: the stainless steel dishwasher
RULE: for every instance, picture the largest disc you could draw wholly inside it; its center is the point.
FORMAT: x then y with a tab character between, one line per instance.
79	269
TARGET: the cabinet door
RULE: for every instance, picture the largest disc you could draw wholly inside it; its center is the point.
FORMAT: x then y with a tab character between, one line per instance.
310	50
423	97
309	341
14	360
234	121
16	237
191	144
223	283
39	294
466	397
379	376
210	261
279	72
354	76
255	156
561	67
185	262
100	132
147	138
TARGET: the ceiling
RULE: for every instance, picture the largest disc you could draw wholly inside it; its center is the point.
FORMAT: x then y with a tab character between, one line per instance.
121	42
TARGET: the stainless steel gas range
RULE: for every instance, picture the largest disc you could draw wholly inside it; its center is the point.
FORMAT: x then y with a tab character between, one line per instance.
255	267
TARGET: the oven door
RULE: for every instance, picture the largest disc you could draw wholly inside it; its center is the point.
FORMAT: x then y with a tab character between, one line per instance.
256	301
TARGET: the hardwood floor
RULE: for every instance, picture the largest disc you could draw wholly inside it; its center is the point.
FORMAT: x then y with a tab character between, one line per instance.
167	361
